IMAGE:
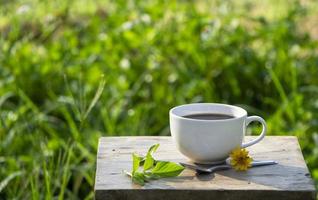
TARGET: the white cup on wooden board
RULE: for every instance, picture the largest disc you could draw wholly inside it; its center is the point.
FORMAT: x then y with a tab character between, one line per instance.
206	133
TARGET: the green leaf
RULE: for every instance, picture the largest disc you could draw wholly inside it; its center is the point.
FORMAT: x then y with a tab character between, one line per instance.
153	148
167	169
139	178
136	163
151	176
149	162
142	159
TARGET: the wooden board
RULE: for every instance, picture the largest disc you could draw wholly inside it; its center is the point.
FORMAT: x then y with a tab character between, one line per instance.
289	179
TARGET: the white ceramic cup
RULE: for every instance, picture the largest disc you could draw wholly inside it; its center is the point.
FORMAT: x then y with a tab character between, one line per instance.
210	141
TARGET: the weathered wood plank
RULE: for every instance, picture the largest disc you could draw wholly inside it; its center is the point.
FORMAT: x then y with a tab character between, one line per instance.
289	179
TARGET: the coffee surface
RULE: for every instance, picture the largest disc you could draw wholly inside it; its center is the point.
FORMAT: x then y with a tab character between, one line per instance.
209	116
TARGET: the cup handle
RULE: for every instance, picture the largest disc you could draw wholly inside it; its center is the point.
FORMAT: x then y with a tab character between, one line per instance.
261	136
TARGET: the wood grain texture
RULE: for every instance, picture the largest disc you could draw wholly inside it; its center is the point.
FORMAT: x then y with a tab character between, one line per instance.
290	179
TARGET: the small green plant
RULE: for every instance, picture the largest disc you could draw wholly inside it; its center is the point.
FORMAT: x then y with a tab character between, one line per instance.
151	168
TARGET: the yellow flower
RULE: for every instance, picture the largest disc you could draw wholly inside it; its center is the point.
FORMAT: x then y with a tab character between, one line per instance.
240	160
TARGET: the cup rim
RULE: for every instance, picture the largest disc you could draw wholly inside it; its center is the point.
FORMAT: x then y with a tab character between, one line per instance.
243	112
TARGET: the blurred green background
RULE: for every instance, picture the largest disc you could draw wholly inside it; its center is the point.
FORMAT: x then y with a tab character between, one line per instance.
73	71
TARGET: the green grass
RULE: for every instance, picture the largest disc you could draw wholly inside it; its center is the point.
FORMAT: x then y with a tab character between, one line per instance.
72	71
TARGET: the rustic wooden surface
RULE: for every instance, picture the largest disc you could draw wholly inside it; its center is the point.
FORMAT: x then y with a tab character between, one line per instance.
289	179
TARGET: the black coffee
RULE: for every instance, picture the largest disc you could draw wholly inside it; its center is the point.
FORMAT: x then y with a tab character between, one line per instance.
209	116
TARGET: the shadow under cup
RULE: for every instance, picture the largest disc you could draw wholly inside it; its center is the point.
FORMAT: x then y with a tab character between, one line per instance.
208	141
